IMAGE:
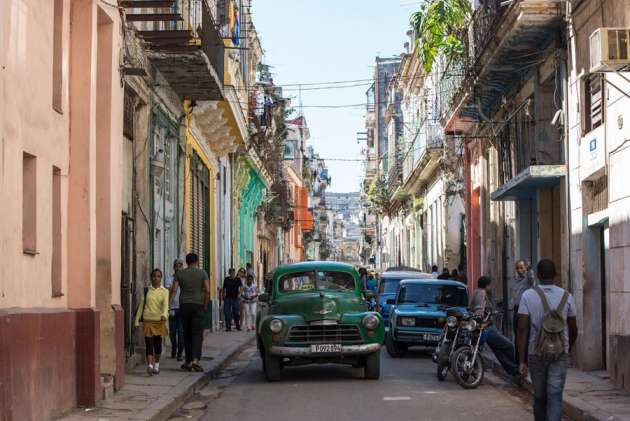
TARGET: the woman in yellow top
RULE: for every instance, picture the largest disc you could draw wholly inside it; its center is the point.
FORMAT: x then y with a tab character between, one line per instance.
153	311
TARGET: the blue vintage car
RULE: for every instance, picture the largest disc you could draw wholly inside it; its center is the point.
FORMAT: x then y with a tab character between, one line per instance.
418	312
388	286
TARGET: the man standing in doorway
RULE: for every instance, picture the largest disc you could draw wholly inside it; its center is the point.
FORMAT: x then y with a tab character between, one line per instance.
521	283
541	310
193	303
176	331
231	291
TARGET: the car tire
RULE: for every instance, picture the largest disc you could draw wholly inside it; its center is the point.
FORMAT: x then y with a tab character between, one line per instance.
372	367
394	349
272	365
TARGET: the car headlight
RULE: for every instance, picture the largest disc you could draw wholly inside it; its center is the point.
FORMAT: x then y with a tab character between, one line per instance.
275	325
451	321
471	325
370	322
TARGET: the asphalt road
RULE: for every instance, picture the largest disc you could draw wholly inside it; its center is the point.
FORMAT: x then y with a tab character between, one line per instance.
408	390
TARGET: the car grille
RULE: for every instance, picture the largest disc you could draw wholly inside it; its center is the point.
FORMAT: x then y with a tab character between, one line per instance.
325	334
428	322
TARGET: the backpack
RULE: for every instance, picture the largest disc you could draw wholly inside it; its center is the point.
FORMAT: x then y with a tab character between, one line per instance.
144	303
550	345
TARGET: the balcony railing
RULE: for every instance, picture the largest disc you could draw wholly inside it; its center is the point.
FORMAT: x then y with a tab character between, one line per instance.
178	34
484	22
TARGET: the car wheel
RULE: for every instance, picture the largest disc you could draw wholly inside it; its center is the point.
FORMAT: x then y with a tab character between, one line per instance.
394	349
372	368
272	366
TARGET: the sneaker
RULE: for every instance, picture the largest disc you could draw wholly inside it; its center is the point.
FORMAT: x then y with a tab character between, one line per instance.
180	358
156	370
150	370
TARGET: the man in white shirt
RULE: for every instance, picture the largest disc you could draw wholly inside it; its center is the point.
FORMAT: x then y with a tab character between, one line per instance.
548	377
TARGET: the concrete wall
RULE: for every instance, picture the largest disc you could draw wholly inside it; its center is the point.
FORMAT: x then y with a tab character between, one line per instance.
599	276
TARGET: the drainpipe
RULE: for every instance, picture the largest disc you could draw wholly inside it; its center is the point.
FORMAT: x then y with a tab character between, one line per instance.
567	156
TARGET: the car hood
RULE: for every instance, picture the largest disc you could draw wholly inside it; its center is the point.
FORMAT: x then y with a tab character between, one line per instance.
430	310
318	306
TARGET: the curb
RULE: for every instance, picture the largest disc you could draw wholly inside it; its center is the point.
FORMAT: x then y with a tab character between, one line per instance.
164	407
571	407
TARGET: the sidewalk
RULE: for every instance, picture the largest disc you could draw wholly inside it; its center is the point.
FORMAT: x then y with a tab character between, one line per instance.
157	397
588	396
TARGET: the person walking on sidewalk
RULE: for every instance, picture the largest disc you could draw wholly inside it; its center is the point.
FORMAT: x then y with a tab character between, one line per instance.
175	328
153	312
230	292
250	298
242	275
501	346
193	303
548	313
523	280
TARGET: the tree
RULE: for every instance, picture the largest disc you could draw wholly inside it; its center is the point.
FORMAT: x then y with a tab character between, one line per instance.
439	26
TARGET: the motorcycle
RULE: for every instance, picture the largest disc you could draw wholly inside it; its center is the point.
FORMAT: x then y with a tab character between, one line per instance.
466	362
370	301
449	341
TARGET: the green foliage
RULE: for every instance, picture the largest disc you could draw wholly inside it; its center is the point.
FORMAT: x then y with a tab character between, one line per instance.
439	25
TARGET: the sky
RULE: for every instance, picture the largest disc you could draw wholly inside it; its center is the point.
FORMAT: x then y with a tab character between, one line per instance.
312	41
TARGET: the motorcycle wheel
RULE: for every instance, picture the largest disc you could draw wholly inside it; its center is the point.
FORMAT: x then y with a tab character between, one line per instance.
468	377
442	371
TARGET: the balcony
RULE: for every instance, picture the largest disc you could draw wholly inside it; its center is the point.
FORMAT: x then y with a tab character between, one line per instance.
429	145
502	42
183	43
530	157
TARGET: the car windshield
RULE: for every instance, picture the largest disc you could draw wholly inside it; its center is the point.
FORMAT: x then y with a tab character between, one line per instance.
448	295
389	285
316	281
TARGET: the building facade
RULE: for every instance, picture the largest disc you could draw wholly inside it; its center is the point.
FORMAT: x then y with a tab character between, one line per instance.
61	185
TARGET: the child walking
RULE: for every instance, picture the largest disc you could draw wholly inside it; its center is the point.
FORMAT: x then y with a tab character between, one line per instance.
153	312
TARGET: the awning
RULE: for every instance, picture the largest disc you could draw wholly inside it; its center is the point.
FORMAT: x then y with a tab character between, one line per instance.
528	181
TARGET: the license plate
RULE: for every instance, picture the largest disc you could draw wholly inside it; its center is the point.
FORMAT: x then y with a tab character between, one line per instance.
326	348
431	337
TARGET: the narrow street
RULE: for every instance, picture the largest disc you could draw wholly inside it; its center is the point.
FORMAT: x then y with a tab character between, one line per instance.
408	388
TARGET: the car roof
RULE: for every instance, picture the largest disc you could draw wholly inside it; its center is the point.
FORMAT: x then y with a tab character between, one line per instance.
432	281
406	275
312	265
402	269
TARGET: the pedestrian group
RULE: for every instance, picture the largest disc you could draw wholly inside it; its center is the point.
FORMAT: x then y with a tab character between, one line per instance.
177	309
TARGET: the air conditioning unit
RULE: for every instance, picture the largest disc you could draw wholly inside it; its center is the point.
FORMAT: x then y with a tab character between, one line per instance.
610	50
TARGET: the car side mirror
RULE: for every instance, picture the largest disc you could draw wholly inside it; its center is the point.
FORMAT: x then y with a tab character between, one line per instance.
263	297
390	301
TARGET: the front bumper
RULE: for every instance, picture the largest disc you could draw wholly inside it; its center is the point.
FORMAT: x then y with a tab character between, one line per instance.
419	337
295	351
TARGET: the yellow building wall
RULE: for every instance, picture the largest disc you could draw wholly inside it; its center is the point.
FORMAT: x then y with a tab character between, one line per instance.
193	144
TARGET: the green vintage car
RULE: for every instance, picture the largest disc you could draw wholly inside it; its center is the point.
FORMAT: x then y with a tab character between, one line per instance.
315	312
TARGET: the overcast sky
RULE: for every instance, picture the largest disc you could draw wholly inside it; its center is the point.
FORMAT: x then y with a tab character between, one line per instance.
308	41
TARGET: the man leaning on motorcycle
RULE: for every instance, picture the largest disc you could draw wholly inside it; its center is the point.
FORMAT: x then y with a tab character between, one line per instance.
503	349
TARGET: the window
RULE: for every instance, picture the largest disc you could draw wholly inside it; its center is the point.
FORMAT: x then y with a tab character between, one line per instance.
424	294
29	204
320	280
57	62
593	108
56	233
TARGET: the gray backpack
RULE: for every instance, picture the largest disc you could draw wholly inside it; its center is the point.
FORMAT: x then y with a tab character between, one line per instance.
550	345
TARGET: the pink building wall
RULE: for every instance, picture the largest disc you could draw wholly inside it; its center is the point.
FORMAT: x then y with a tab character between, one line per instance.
60	103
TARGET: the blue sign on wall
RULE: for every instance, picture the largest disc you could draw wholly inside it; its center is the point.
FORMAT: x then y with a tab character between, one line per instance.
592	145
